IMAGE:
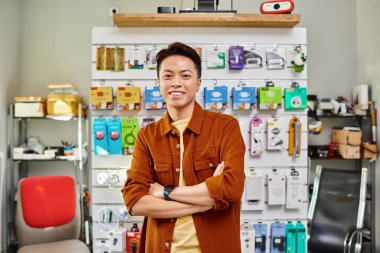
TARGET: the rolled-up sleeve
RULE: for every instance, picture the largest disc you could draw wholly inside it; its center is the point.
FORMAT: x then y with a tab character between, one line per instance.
228	187
140	175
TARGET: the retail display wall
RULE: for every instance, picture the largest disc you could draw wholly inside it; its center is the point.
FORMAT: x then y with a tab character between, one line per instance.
276	188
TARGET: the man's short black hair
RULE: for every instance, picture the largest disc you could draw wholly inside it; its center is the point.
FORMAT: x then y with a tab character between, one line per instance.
178	48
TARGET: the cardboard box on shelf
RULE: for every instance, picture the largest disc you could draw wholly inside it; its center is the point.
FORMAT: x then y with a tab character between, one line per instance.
349	152
347	137
29	107
370	150
63	104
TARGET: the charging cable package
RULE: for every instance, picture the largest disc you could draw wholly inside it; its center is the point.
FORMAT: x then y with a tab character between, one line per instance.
278	235
114	136
253	58
216	59
276	134
129	129
257	136
270	97
290	238
275	58
301	237
260	237
99	130
247	237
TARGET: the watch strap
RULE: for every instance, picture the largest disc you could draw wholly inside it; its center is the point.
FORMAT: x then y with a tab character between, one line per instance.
167	190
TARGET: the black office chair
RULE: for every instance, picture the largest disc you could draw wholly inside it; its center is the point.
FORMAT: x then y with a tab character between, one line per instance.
337	211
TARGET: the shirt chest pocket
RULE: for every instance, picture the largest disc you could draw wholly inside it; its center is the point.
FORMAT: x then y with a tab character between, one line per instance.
163	173
205	167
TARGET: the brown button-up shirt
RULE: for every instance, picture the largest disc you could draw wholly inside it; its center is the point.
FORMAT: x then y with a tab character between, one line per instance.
209	139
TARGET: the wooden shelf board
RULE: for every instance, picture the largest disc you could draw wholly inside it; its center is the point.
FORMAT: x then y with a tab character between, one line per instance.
206	20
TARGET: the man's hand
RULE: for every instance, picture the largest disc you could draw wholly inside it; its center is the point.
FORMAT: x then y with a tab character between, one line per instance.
156	190
218	171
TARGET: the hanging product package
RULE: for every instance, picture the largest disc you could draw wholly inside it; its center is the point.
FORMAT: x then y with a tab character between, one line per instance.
295	131
278	237
216	97
128	98
243	98
99	129
295	97
253	58
256	136
101	98
129	130
114	136
270	97
153	99
260	237
118	59
216	59
236	57
247	235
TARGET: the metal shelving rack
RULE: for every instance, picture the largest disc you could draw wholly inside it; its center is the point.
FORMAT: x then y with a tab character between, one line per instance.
23	168
358	120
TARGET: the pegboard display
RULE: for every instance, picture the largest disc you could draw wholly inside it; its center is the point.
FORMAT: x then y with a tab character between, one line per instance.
247	73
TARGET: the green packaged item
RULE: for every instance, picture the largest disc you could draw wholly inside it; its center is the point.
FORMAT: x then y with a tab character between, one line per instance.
301	237
129	129
270	97
295	98
290	238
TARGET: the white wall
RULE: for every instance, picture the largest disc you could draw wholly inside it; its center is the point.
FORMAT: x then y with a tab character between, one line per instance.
57	34
369	71
9	78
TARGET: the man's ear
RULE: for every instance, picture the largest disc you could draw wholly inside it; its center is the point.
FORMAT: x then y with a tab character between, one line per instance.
199	83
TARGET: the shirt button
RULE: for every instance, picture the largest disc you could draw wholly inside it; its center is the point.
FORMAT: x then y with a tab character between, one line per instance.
211	165
177	146
173	133
177	170
167	245
172	220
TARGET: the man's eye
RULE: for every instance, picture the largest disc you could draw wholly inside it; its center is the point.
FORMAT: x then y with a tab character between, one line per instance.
167	76
186	76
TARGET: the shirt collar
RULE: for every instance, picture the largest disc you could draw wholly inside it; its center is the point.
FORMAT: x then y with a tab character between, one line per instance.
194	125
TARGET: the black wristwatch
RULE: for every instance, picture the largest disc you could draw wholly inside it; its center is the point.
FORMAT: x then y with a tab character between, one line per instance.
167	190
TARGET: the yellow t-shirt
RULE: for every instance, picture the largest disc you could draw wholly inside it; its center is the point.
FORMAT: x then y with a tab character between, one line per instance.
185	236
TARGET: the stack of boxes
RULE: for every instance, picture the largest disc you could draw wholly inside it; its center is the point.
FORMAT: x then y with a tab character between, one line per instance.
349	140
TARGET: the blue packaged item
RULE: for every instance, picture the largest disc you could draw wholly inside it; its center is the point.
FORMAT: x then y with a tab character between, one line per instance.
216	97
277	238
301	237
243	98
114	136
260	237
153	99
236	57
290	238
99	130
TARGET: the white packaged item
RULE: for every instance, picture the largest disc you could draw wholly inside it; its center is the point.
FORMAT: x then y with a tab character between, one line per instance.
276	189
247	238
293	192
254	193
276	134
18	153
34	109
117	241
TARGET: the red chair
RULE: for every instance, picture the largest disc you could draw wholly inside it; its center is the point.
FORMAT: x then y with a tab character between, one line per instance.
48	216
